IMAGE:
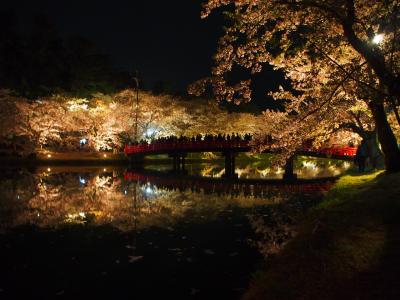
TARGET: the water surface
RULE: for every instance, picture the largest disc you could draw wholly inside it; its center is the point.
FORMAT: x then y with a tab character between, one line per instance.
86	232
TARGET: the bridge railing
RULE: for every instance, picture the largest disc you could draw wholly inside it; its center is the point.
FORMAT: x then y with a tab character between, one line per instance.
184	146
341	151
212	145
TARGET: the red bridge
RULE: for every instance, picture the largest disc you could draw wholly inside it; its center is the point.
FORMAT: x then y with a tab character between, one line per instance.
167	147
229	148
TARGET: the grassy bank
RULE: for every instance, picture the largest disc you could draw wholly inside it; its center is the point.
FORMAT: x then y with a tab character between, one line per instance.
347	248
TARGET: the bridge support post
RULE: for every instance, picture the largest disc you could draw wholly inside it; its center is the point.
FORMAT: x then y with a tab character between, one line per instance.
230	164
289	174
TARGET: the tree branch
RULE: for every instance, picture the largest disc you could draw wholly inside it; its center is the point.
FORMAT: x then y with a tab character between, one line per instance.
332	93
350	74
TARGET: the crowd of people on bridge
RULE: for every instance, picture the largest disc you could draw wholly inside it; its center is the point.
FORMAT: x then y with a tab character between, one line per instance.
197	138
359	159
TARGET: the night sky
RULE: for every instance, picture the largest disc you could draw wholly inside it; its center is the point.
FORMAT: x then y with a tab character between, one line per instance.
164	40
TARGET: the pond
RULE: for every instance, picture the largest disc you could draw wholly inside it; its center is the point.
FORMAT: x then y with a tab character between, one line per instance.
85	232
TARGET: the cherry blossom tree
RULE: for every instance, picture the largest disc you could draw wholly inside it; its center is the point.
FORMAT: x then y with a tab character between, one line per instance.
334	53
60	122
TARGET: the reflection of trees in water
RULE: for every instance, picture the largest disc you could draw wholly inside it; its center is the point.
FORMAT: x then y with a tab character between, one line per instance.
212	170
16	187
277	225
309	167
54	199
305	168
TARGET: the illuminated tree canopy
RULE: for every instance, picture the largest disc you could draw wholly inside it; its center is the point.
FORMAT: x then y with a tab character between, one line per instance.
106	122
335	54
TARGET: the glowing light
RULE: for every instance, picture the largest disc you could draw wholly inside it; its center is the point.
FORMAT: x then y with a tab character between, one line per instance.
309	165
104	170
148	190
78	218
80	104
150	131
265	172
378	38
334	170
18	197
82	180
48	170
126	192
48	155
104	155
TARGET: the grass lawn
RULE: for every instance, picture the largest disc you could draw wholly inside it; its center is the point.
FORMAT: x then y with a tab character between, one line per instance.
347	248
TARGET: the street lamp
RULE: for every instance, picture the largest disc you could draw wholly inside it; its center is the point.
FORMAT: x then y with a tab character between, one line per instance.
136	79
378	38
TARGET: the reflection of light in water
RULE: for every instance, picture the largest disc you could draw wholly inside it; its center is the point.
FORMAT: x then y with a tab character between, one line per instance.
310	168
149	190
103	181
346	165
75	218
244	171
322	168
264	172
100	199
309	165
279	171
219	174
208	171
334	170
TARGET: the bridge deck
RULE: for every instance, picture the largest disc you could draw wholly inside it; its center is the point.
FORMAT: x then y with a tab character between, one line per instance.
225	146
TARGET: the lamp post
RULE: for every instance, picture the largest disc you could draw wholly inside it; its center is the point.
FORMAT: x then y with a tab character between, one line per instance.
136	79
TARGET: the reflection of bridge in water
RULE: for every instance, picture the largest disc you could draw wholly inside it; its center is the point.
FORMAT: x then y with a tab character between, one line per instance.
233	186
178	149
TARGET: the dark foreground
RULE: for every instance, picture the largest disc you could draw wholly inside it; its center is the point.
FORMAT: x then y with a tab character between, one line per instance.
199	260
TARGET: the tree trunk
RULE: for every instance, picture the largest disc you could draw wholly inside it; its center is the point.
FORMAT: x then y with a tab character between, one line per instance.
375	155
386	137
